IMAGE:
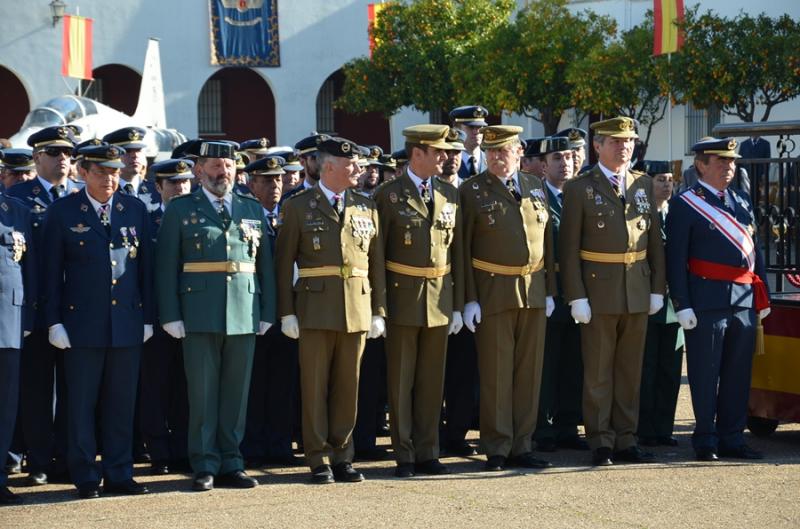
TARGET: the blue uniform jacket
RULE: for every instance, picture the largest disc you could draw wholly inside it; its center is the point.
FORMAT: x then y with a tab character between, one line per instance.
99	286
690	235
17	272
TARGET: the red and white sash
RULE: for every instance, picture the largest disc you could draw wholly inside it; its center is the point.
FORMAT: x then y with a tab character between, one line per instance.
726	224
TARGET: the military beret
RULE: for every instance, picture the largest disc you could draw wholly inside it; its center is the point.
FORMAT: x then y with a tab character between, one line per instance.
94	142
576	136
474	115
258	146
497	136
103	155
173	169
339	147
553	144
288	154
400	156
267	166
533	147
187	148
309	144
17	159
722	147
619	127
128	137
429	134
653	167
52	137
217	149
456	138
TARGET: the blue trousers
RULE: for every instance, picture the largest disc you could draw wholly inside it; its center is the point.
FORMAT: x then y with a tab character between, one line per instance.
719	359
9	399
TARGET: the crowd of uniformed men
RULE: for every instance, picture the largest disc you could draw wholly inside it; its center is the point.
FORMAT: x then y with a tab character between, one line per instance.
208	311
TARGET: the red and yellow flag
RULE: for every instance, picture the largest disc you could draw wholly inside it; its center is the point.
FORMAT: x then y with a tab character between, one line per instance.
76	59
373	10
668	38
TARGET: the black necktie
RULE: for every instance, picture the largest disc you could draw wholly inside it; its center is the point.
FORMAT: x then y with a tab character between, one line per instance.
473	166
513	190
223	212
56	192
129	188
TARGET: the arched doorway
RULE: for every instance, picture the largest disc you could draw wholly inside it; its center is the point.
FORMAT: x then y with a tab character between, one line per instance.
15	103
115	85
370	128
236	104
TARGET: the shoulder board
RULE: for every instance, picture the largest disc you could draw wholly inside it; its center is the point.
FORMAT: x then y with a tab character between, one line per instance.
246	197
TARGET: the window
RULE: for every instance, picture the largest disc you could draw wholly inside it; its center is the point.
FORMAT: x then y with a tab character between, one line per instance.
325	115
209	108
700	122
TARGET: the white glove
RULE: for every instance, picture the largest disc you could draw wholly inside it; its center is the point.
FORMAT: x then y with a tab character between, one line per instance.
656	303
377	328
687	319
472	315
580	310
263	327
763	313
290	326
148	332
175	329
456	323
549	306
57	335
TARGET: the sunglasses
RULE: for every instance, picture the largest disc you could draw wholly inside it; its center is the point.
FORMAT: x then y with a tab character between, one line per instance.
55	152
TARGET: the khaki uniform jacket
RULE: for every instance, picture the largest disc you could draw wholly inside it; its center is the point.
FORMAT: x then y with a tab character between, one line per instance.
594	219
498	230
412	238
311	236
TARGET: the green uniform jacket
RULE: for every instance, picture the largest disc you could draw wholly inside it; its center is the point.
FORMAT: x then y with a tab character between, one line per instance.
215	302
501	231
411	238
311	236
594	219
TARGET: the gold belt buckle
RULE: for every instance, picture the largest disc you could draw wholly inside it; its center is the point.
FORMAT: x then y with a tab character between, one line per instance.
347	271
232	267
630	258
527	269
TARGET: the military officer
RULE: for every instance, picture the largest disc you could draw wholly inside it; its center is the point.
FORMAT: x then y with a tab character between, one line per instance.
420	222
102	314
612	264
562	371
577	142
45	433
16	165
132	176
216	290
332	233
372	175
533	158
470	119
717	282
509	293
291	169
17	290
163	406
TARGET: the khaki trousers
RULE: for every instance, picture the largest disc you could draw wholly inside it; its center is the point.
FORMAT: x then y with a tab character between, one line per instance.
510	353
329	370
415	360
613	349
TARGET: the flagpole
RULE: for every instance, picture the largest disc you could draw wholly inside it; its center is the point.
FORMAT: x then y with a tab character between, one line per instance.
669	102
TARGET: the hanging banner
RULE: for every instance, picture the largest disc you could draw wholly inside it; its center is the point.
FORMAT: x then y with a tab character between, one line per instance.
667	37
76	54
244	33
373	11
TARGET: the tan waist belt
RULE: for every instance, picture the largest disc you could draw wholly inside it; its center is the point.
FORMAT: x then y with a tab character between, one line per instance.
621	258
507	270
228	267
428	272
345	271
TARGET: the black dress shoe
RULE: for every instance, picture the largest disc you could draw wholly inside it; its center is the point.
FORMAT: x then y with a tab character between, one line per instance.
9	498
495	463
706	454
528	461
460	448
159	468
129	487
404	470
236	480
203	481
634	454
322	475
432	467
666	440
602	457
573	443
35	479
741	452
345	473
89	491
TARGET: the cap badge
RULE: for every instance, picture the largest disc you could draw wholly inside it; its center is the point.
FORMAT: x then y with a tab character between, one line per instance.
181	167
272	163
345	147
133	135
62	132
732	145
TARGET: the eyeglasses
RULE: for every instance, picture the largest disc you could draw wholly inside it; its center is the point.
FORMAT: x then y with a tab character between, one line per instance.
55	152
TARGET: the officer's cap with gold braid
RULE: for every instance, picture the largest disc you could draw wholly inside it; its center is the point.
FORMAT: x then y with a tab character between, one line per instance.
270	165
256	146
52	137
576	136
339	147
103	155
173	170
308	145
429	135
474	116
722	147
129	137
93	142
17	159
619	127
498	136
288	154
456	138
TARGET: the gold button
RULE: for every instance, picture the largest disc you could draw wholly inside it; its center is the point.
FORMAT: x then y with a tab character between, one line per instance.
306	288
229	278
594	275
113	281
72	307
397	284
113	263
491	274
35	224
113	301
346	261
188	289
433	259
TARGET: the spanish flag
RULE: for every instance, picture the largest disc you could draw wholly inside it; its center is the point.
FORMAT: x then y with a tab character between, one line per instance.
76	60
373	10
668	38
